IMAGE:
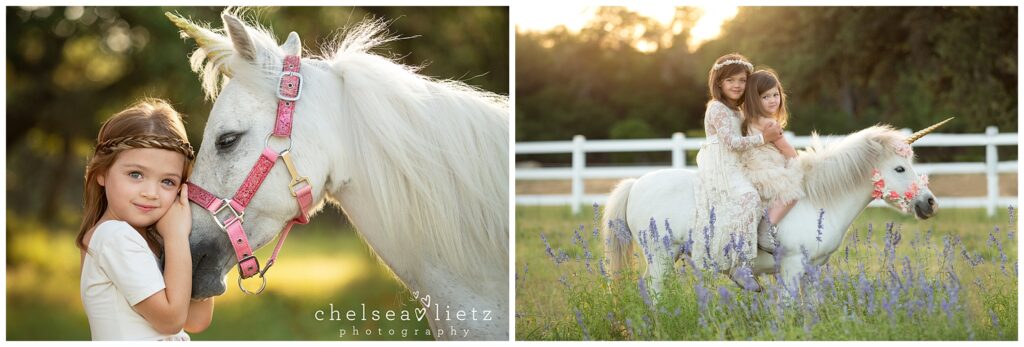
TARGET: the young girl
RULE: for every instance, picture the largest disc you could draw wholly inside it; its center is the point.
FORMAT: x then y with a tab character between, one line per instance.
772	169
137	212
728	206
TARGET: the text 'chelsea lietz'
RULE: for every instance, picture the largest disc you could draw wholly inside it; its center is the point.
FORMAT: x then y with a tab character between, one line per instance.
403	315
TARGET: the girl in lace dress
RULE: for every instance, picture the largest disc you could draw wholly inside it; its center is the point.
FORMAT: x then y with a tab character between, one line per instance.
728	206
773	170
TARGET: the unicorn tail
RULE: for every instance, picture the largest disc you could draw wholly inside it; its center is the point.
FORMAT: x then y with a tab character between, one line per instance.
618	238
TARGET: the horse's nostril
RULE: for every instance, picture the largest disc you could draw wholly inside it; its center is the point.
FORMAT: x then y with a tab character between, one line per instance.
931	201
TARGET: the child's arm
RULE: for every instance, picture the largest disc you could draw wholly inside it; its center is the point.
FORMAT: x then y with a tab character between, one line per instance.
718	119
200	313
167	310
785	148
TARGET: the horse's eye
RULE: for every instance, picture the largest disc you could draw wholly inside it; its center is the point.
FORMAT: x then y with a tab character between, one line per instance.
226	141
900	169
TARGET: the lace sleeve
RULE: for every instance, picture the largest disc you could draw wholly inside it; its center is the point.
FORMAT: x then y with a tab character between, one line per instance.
720	120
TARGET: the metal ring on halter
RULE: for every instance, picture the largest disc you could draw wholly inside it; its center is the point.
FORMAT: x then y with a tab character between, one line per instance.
266	143
262	286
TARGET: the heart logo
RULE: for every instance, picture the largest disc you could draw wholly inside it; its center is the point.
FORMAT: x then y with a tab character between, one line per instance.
416	295
420	313
425	300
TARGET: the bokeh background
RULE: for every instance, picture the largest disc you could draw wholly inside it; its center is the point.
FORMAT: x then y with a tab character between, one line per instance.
69	68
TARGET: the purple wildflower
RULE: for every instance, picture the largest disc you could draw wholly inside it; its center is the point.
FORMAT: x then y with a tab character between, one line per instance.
604	273
579	320
995	322
702	297
642	286
654	230
547	248
665	241
821	224
929	292
725	297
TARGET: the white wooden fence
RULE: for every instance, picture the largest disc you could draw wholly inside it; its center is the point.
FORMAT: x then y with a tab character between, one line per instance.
678	144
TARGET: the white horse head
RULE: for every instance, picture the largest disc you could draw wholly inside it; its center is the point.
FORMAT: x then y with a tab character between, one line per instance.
418	165
879	157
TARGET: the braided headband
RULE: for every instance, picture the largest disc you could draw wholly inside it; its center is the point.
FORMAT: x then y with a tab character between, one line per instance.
146	141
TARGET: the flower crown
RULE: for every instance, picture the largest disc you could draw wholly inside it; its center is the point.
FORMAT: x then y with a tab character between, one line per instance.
730	62
146	141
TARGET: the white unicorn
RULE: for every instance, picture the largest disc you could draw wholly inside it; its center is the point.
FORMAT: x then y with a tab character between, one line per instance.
840	179
419	165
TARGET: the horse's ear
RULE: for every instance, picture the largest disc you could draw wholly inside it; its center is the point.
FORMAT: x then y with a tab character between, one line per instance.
292	46
239	37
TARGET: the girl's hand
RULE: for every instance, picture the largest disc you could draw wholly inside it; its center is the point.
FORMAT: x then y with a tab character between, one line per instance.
177	220
771	132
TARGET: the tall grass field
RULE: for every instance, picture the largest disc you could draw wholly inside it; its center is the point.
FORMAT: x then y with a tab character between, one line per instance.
952	277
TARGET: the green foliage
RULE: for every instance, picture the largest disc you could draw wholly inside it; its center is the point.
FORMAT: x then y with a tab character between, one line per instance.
843	68
915	280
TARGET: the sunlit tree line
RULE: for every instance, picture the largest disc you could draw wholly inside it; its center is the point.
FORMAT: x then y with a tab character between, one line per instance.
844	68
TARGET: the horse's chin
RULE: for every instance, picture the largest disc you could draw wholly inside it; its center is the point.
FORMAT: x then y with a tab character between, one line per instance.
208	283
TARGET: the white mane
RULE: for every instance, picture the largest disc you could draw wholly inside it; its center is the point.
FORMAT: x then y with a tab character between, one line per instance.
433	153
838	167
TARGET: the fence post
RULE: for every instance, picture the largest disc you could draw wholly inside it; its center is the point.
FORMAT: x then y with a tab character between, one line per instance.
678	154
991	172
579	162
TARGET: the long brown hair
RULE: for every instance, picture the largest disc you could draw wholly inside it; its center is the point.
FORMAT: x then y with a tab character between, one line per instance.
717	75
149	123
759	82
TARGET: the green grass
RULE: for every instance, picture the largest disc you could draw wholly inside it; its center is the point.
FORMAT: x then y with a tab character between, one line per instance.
568	301
322	263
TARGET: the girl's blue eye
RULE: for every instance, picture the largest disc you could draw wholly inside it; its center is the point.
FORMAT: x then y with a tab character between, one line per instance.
170	182
135	175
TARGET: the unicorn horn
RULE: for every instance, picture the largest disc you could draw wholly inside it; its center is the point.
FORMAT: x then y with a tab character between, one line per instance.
925	131
215	46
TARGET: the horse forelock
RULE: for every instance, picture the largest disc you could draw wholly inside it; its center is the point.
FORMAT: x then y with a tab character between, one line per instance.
217	54
835	168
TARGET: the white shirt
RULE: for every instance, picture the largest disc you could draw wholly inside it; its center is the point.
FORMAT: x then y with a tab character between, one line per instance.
120	271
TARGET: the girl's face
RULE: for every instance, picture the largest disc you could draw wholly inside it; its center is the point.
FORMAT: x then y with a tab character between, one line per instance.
733	86
770	100
141	185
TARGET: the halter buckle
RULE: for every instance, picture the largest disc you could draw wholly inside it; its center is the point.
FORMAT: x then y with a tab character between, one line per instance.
235	215
281	82
286	156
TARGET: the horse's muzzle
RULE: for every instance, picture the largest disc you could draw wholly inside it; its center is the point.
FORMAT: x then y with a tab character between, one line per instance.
925	206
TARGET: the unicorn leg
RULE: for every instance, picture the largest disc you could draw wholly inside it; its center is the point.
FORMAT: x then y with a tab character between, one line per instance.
791	268
657	273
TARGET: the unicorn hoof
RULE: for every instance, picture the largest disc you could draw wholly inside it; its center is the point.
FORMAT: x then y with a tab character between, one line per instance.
744	279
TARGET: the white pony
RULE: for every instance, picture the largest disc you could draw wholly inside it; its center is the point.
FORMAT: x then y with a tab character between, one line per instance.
419	165
838	180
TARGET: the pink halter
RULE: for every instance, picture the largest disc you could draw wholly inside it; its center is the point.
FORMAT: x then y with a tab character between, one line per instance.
289	91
